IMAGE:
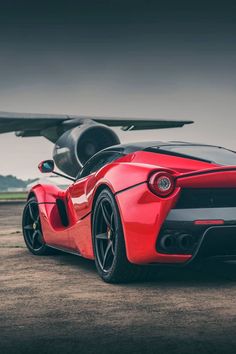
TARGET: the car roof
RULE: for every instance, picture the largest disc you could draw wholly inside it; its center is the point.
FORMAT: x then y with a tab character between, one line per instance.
132	147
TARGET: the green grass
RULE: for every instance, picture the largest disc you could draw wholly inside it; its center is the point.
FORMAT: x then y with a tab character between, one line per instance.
13	196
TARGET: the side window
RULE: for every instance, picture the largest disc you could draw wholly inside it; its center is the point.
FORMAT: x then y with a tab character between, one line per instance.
95	163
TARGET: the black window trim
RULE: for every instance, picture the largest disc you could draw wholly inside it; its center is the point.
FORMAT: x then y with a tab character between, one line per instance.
162	150
177	154
98	154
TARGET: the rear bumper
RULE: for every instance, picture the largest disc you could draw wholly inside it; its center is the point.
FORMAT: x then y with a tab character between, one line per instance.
217	242
201	240
145	217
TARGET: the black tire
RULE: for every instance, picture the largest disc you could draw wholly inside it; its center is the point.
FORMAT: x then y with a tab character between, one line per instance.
31	228
109	245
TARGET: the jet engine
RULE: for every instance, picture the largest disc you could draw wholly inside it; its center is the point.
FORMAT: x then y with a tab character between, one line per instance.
77	145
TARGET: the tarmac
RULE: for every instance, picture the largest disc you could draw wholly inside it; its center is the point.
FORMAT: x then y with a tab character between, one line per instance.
58	304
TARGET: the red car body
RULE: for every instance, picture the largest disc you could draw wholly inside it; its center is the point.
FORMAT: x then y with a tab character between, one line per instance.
145	216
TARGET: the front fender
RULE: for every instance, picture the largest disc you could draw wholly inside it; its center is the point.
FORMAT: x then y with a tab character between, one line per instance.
46	193
47	196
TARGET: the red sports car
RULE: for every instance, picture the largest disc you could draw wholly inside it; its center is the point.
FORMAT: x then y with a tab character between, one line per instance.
139	204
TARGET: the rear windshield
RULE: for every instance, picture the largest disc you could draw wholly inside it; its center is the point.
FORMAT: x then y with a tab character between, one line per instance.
213	154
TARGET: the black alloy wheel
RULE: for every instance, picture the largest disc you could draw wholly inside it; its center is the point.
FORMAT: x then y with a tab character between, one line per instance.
108	242
32	230
105	235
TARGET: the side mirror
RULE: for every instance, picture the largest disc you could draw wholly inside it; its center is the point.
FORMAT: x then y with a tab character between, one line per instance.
46	166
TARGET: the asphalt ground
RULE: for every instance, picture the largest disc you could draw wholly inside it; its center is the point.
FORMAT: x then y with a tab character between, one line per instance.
58	304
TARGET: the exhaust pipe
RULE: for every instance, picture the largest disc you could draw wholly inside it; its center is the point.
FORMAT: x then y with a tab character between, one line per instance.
185	242
168	242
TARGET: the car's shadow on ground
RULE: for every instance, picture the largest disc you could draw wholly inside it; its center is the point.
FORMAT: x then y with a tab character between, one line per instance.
202	274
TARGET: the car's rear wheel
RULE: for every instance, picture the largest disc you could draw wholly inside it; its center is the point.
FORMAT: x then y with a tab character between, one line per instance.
32	230
108	242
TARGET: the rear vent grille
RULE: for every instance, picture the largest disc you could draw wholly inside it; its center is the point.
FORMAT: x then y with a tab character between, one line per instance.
206	198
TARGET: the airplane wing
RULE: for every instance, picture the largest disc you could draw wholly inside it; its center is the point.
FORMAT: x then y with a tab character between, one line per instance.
13	122
29	124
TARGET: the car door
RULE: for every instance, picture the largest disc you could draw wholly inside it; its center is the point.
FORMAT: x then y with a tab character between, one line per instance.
78	196
81	188
79	191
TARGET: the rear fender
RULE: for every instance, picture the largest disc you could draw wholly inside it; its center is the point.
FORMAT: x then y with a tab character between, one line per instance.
142	215
118	177
121	176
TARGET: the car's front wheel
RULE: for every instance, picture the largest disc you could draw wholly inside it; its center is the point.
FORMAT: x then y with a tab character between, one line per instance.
31	227
108	242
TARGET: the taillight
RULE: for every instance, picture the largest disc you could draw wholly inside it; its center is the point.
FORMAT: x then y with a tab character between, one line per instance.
162	184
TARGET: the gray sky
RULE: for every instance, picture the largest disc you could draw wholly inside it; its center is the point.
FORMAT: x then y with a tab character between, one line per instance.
155	63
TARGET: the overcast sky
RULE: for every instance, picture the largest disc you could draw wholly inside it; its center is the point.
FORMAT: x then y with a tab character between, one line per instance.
131	59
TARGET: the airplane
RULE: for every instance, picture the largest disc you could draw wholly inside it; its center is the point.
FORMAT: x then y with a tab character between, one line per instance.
77	138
